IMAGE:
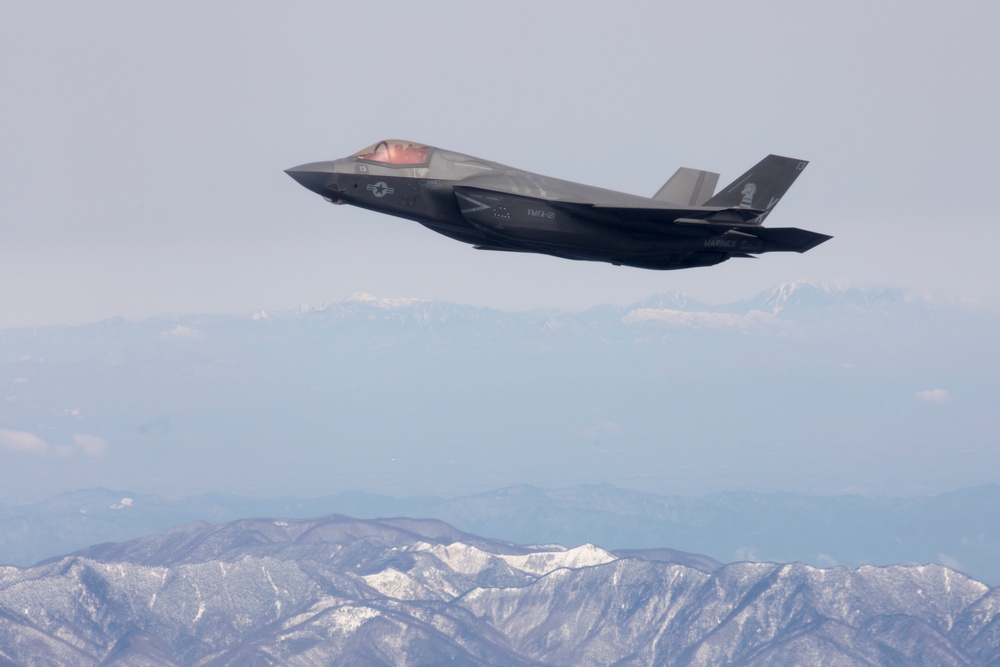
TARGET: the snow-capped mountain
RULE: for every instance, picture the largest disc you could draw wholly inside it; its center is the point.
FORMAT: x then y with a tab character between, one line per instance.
408	592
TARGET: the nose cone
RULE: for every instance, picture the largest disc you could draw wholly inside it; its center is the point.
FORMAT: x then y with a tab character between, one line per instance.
315	176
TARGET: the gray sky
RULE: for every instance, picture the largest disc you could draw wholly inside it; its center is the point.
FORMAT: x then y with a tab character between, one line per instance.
142	145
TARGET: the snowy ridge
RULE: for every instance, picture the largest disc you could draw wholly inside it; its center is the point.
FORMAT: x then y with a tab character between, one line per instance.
462	558
467	559
544	562
779	296
405	591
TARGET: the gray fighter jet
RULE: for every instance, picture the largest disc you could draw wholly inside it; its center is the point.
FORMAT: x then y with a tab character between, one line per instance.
495	207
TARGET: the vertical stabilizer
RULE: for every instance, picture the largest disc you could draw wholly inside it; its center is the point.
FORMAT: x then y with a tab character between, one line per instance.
762	187
688	187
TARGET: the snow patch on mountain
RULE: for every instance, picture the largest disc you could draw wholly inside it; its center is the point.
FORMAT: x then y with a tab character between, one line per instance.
372	300
181	331
545	562
123	503
401	586
463	558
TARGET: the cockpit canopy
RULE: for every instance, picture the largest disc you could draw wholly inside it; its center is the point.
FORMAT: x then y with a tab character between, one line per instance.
395	151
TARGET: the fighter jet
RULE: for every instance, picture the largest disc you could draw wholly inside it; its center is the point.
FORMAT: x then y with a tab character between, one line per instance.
495	207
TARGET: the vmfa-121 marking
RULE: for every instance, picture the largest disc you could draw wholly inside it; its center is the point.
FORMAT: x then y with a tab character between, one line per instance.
495	207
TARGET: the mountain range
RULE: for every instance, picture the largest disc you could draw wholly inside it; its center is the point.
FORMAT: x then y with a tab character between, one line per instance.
804	388
338	590
847	416
959	529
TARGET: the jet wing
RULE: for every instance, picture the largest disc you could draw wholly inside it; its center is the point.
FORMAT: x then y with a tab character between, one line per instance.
718	221
642	214
500	248
639	213
654	217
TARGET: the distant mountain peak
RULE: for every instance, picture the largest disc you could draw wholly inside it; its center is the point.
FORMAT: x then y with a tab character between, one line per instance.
802	295
779	296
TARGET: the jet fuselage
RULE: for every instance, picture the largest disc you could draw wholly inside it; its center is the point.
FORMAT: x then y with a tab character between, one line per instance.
496	207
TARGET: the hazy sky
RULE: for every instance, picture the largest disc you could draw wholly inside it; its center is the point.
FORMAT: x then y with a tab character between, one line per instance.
142	145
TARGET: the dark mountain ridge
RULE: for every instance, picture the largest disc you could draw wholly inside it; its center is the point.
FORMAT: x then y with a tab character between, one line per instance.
959	529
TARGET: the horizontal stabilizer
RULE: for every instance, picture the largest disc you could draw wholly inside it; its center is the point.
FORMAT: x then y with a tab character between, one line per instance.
789	239
688	187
